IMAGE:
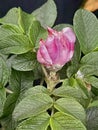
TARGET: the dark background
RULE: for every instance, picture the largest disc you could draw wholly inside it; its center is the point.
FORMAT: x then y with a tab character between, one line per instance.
65	8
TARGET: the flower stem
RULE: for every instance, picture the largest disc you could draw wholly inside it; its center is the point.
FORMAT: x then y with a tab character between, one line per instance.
44	70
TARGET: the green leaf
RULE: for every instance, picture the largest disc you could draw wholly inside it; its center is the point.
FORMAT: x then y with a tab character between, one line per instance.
37	89
11	17
77	54
61	121
88	70
92	118
90	59
86	29
71	106
8	123
46	14
25	62
93	104
2	98
93	81
11	28
4	32
36	32
9	105
4	71
77	93
32	105
39	122
16	44
19	83
72	69
25	20
59	27
71	88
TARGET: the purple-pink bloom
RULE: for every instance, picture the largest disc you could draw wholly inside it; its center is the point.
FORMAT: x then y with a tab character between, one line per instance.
57	49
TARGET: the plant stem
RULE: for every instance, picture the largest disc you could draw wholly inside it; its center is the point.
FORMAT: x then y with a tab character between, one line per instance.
8	91
53	109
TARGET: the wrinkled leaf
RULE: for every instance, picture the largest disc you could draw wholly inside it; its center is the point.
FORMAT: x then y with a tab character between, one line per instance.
16	44
25	62
32	105
36	33
4	71
39	122
71	106
71	88
89	70
25	20
90	59
35	90
61	121
19	83
86	29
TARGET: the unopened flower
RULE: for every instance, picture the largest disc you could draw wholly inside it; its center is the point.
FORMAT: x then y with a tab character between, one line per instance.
57	49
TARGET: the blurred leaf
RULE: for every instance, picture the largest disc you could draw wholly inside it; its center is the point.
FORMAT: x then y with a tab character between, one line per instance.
59	27
39	122
92	118
46	14
86	28
25	62
36	32
9	105
2	98
61	121
4	71
16	44
93	104
32	105
70	106
8	123
19	83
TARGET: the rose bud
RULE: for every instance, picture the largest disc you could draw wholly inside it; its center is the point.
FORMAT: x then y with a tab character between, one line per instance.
57	49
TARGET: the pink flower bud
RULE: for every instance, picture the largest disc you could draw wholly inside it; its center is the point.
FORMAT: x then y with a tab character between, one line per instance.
57	49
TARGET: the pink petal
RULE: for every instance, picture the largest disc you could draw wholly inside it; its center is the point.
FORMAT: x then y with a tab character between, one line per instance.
52	47
69	34
51	31
44	53
40	58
